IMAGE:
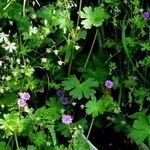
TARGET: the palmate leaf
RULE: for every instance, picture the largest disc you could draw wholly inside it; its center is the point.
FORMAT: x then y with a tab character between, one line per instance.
105	104
140	131
79	90
93	17
93	107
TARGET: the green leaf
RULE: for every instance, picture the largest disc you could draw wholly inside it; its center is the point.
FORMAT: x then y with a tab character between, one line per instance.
145	46
39	138
93	108
70	83
140	131
31	147
93	17
105	104
52	132
79	90
4	146
9	99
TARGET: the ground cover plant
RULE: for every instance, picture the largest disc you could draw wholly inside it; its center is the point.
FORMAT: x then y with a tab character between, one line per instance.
73	74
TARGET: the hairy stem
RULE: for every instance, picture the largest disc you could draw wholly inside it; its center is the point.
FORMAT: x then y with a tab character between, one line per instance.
24	7
90	127
16	140
88	57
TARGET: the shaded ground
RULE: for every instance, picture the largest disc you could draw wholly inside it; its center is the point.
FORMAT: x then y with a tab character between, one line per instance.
110	140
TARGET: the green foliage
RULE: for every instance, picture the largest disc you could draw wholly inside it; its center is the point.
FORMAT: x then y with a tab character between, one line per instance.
12	124
3	146
140	129
105	104
31	147
52	132
79	90
45	42
39	139
93	17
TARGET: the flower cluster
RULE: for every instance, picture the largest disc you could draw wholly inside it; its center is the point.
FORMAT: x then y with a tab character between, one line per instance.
63	100
24	96
8	46
66	119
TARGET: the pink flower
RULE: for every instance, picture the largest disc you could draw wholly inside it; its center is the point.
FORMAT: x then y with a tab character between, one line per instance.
21	102
25	96
109	84
66	119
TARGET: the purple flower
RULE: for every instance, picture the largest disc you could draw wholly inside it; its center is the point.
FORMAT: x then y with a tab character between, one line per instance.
25	96
64	100
132	77
109	84
66	119
146	15
59	92
21	102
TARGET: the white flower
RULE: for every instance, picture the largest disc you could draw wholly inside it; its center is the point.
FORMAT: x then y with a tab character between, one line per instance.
55	52
32	30
8	78
48	50
3	37
77	47
1	62
60	62
10	47
18	61
1	89
43	60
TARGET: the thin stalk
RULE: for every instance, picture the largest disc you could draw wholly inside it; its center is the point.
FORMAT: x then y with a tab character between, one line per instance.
78	19
88	57
76	30
90	127
16	140
70	66
24	7
9	141
127	51
147	55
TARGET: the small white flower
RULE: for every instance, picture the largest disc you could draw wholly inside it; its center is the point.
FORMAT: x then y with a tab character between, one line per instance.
32	30
10	47
60	62
48	50
1	62
2	106
1	89
55	52
8	78
18	61
43	60
33	16
77	47
3	37
78	28
65	30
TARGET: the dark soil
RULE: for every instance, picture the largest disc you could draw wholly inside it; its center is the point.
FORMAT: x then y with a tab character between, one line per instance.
109	140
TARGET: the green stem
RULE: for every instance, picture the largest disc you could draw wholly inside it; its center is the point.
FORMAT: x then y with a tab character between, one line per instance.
76	30
16	140
87	60
24	7
78	19
70	66
127	52
90	127
120	95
